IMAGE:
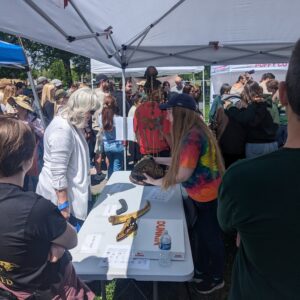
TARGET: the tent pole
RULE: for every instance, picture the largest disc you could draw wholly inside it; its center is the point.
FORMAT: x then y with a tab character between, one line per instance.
92	80
124	117
203	94
35	96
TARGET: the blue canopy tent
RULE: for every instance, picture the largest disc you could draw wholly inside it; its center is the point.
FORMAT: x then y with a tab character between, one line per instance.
13	56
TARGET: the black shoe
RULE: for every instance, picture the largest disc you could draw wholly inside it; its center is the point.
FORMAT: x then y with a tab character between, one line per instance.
207	287
198	277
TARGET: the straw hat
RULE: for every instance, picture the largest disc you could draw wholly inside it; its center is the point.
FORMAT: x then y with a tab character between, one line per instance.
22	101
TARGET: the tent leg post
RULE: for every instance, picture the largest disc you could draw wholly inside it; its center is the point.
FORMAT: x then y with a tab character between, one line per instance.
124	118
203	94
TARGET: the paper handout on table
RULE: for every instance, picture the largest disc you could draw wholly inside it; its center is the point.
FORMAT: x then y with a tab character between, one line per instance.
109	209
119	257
156	194
91	243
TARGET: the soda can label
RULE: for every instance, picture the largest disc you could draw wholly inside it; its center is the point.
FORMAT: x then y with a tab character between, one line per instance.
164	246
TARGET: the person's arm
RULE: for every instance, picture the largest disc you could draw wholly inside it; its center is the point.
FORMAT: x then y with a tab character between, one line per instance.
68	239
188	160
163	160
38	128
46	224
242	116
61	146
62	200
183	175
227	204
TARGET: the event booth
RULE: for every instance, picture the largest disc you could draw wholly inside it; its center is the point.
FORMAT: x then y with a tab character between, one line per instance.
135	33
229	74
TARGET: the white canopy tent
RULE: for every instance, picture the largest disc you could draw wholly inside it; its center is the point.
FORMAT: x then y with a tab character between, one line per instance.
135	33
229	74
98	67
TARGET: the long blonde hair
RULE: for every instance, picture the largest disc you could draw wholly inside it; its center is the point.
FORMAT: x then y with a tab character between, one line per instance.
9	91
183	121
47	94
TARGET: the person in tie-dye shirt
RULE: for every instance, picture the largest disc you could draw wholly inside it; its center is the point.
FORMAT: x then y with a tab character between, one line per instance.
197	164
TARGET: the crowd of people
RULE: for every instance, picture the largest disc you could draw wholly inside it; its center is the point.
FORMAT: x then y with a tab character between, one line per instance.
45	176
248	119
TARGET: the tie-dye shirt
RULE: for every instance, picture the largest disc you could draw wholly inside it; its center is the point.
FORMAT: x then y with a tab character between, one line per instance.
203	185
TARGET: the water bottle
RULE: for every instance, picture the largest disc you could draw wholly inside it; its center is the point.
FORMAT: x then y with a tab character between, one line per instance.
165	247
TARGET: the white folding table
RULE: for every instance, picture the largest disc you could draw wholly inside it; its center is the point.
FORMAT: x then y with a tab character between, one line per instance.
88	265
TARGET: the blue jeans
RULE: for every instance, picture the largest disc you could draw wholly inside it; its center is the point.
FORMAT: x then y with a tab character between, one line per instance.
209	247
115	154
255	150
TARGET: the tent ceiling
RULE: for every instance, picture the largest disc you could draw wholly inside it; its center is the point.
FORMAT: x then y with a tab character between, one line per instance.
165	33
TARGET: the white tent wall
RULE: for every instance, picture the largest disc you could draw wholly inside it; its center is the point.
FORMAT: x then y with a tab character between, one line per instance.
229	74
98	67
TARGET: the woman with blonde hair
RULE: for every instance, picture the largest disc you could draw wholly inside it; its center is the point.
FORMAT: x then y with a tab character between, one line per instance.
8	92
197	164
64	178
47	102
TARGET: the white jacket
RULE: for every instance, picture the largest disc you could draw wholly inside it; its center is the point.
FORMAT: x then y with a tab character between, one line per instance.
66	165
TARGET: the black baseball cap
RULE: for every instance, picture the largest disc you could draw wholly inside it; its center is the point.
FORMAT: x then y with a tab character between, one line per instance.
101	77
180	100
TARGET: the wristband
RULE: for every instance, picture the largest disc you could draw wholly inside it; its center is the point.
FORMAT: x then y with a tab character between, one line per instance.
63	205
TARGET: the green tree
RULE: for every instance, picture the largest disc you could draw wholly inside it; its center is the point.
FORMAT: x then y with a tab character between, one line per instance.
57	70
42	56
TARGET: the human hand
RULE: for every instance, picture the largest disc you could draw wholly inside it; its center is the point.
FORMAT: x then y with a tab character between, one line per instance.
55	253
66	213
152	181
148	179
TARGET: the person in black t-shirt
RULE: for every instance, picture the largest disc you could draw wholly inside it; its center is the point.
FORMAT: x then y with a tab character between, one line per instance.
259	199
34	236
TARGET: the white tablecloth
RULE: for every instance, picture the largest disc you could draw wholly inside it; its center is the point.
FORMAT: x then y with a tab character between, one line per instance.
97	233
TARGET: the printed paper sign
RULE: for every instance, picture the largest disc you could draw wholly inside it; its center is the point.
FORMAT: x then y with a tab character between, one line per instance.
119	257
91	243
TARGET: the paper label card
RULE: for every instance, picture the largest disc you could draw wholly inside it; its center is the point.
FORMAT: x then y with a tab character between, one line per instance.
91	243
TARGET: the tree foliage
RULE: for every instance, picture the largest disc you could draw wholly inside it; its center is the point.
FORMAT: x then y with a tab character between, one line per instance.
44	57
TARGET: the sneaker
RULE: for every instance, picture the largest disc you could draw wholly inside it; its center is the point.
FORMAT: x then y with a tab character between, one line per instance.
207	287
198	277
